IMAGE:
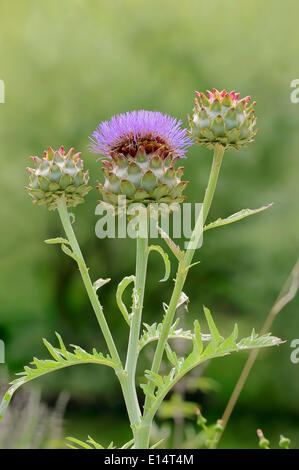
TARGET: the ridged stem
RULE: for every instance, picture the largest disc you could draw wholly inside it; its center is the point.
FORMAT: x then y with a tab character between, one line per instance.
132	353
182	272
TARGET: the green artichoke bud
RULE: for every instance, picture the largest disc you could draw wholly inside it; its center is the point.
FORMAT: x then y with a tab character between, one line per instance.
221	118
56	175
145	177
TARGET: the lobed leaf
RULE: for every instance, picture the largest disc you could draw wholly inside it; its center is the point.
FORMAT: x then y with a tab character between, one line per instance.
236	217
212	327
217	347
152	333
92	444
61	358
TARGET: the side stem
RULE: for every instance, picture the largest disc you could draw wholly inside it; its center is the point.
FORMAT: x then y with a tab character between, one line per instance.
184	266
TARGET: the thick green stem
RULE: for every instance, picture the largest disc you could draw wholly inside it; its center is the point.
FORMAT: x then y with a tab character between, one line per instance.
65	219
183	269
132	354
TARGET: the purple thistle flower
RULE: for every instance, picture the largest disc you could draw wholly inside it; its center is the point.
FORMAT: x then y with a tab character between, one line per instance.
148	130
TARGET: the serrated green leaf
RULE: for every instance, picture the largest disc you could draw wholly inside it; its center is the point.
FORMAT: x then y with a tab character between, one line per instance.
79	443
52	350
152	333
147	391
197	340
217	347
212	327
171	355
236	217
230	342
254	341
156	379
61	344
95	444
92	444
61	359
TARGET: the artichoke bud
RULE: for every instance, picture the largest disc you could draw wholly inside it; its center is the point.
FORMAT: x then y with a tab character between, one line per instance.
222	118
55	175
147	176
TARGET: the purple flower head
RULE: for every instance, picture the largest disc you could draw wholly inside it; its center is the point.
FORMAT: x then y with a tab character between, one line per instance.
141	130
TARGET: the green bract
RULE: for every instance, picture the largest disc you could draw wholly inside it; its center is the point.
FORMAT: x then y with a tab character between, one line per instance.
146	177
56	175
221	118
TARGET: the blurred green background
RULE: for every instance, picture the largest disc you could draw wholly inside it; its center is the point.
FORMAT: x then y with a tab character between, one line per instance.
67	66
